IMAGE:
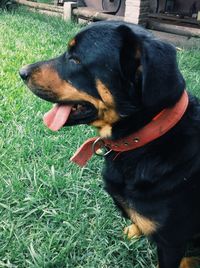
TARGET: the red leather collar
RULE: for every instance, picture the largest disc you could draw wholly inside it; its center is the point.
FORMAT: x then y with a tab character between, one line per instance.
160	124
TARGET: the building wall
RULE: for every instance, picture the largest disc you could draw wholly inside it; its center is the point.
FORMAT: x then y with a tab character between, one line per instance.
185	6
137	11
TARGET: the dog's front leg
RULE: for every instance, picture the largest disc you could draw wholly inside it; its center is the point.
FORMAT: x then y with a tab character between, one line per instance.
132	231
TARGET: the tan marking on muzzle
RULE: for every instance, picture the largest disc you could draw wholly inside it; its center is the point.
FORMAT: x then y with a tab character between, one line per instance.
47	79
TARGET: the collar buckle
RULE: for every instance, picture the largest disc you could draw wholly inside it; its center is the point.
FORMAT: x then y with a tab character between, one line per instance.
99	148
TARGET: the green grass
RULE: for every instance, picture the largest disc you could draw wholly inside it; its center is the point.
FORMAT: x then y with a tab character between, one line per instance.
51	2
52	213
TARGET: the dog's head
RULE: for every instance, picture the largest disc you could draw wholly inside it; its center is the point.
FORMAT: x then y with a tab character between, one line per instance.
110	72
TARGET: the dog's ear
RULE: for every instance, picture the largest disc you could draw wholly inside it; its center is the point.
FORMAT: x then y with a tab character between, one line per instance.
129	52
161	81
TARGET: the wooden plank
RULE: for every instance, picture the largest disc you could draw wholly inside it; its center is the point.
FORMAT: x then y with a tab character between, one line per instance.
43	6
46	12
178	40
169	28
94	15
174	18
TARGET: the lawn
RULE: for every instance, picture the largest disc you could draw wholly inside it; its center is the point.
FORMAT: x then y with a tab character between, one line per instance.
52	213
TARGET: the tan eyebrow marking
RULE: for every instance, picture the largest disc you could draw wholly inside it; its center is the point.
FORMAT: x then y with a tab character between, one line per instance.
72	43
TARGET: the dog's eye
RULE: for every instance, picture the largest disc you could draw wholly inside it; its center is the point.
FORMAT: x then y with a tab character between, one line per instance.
74	60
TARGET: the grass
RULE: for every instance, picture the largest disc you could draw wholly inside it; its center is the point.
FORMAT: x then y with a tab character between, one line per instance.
54	214
50	2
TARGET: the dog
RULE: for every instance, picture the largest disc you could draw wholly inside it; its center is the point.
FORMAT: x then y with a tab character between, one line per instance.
119	78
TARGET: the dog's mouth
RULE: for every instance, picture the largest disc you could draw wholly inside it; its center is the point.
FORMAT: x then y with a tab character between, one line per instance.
69	114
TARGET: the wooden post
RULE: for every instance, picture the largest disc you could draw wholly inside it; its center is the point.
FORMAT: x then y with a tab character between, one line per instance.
137	11
68	7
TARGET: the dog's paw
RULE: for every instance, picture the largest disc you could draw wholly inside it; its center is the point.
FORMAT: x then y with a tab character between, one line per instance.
132	231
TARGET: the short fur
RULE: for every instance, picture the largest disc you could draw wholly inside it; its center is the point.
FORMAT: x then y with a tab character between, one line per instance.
127	76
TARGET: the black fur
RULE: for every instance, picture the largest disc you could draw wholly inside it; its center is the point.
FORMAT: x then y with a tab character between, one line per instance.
161	180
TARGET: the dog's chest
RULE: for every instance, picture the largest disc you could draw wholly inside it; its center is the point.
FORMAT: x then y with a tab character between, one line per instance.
120	184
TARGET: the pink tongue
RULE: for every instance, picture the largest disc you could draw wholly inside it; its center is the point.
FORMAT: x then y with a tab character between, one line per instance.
57	116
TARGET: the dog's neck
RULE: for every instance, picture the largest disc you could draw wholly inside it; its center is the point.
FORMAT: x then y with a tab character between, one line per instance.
138	120
133	123
157	127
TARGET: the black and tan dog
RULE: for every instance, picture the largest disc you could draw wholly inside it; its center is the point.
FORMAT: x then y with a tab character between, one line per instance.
119	78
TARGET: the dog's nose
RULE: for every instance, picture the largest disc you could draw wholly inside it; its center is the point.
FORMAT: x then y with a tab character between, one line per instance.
24	73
